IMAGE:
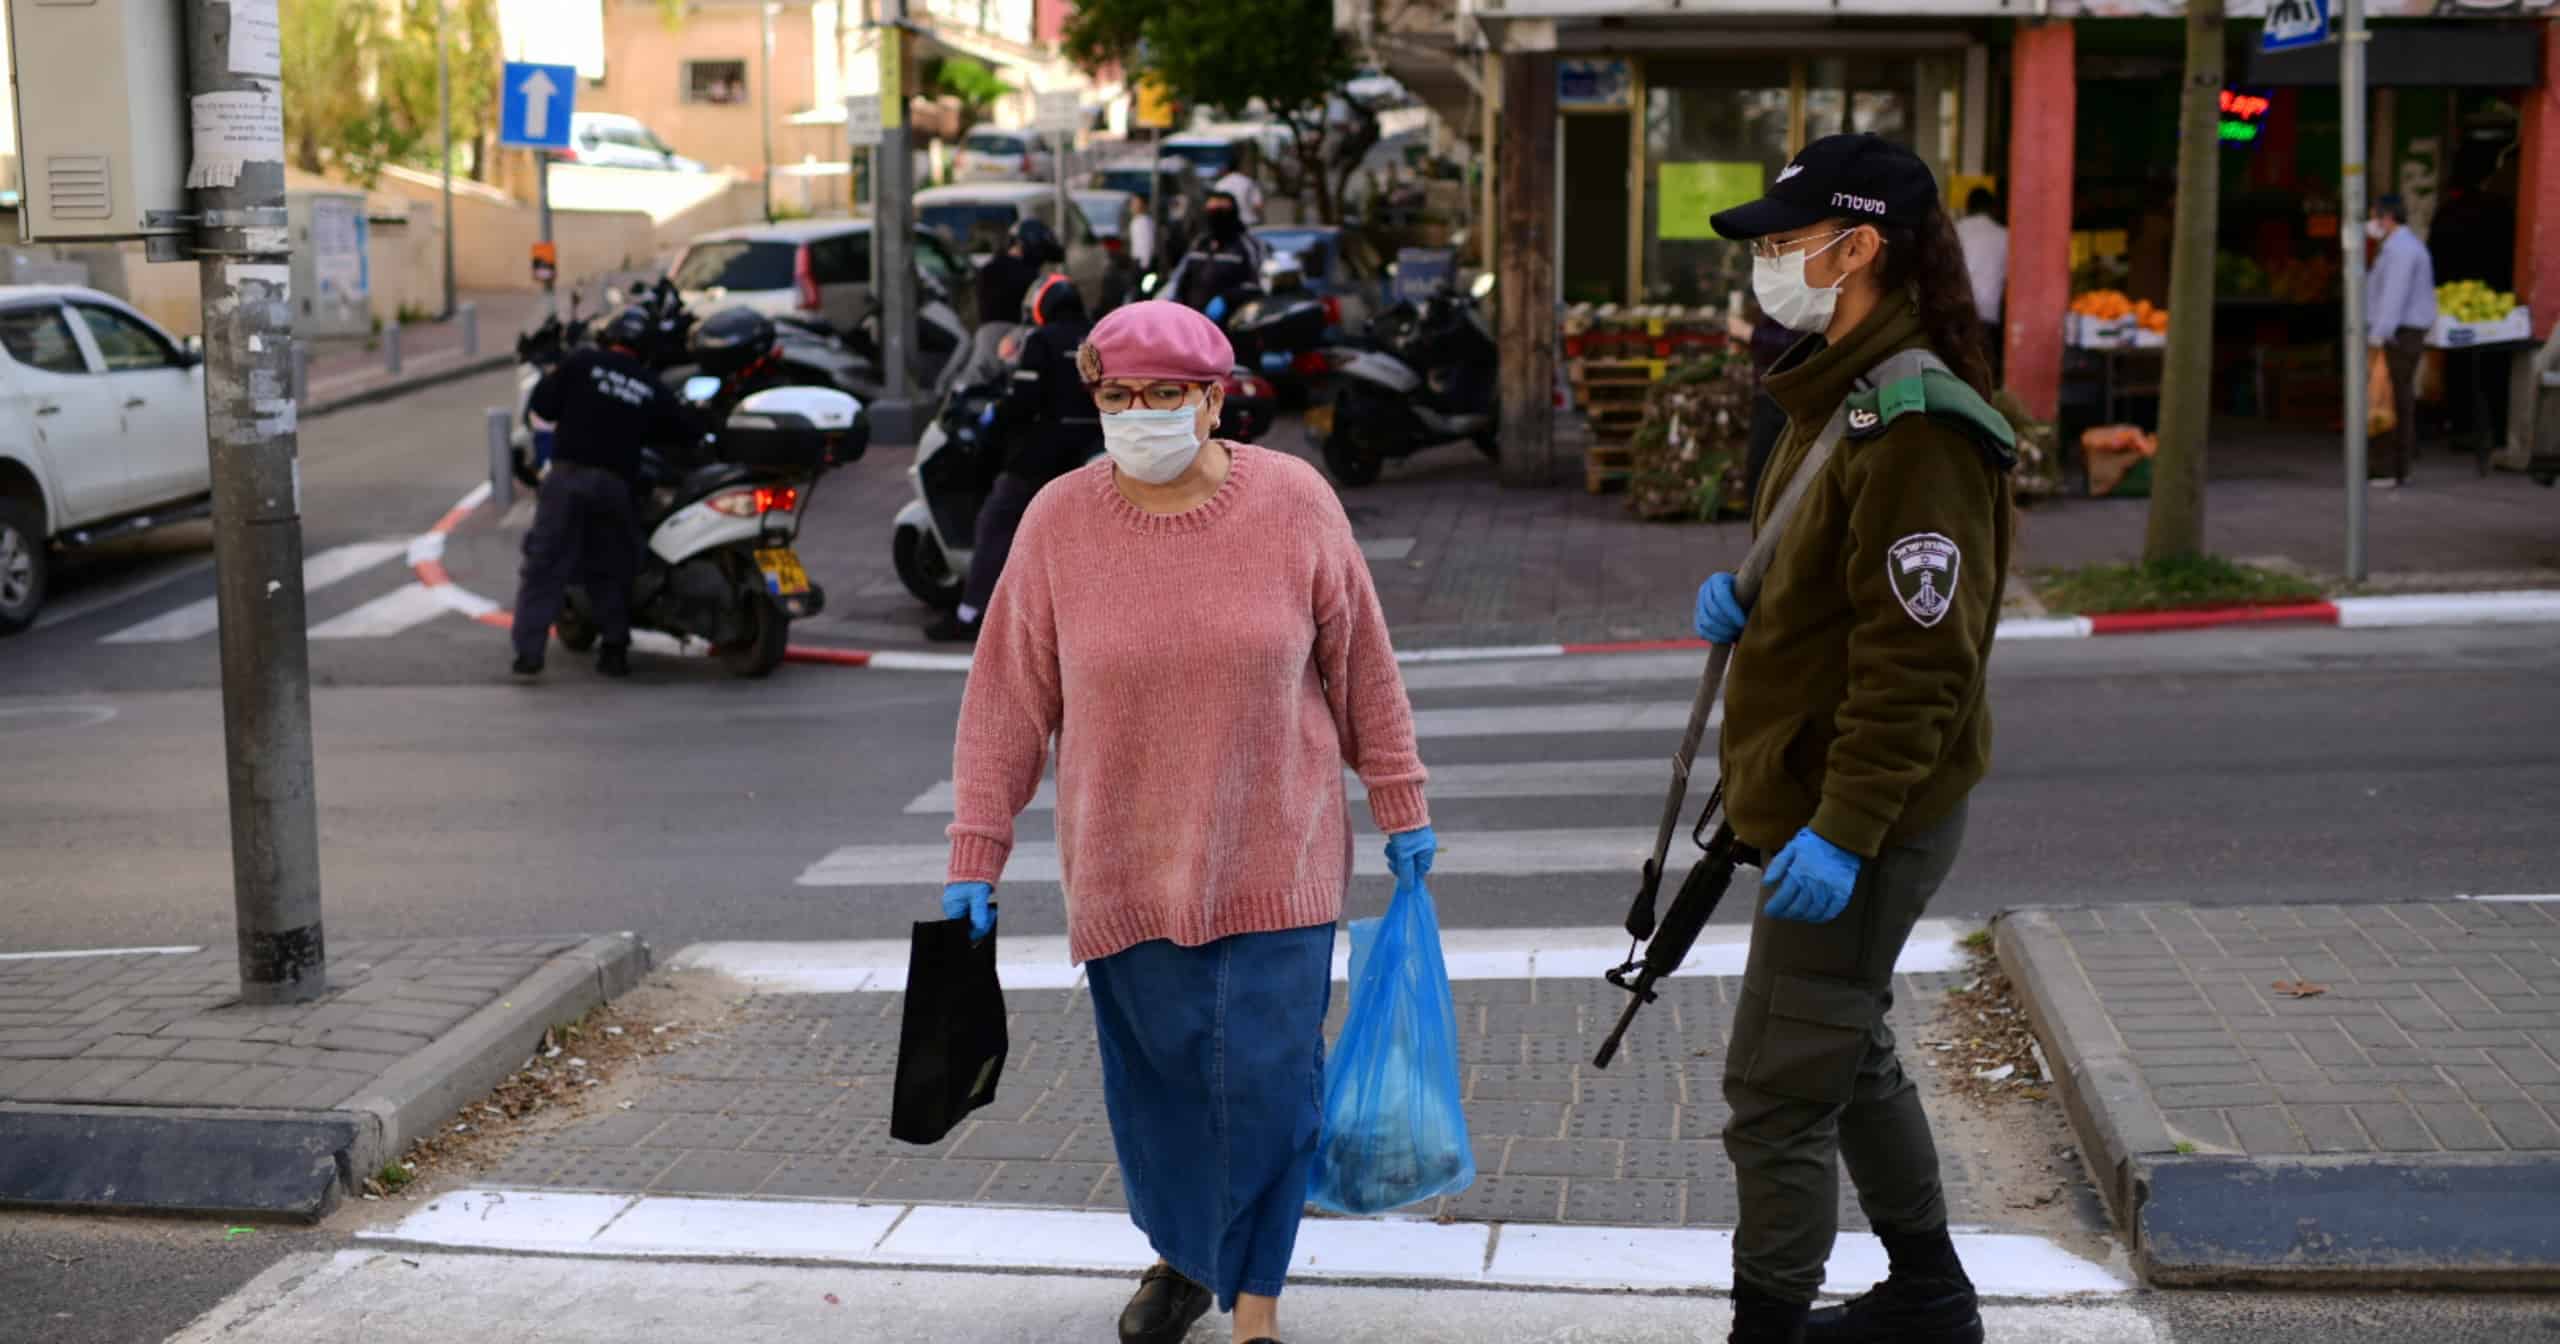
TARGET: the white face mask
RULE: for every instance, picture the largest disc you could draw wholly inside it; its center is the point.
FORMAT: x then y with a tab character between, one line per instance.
1153	446
2377	229
1779	284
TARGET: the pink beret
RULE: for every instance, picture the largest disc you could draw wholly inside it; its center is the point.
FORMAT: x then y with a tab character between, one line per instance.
1156	340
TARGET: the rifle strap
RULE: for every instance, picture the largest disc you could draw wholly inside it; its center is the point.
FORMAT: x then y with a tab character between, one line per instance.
1746	583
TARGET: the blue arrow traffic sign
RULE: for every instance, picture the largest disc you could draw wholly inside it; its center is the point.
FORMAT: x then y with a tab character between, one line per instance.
2295	23
536	101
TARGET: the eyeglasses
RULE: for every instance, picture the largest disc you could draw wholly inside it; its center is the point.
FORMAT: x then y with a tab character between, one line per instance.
1770	249
1113	398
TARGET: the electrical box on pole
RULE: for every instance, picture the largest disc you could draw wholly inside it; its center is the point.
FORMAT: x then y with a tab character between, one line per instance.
103	134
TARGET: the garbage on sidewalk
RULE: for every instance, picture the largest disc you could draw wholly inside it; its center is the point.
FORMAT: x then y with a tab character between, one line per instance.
1395	1131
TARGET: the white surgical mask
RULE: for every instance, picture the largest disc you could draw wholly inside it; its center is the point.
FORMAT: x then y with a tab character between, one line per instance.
1779	284
2376	229
1153	446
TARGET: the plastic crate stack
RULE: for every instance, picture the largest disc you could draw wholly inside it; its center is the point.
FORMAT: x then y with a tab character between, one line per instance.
1613	357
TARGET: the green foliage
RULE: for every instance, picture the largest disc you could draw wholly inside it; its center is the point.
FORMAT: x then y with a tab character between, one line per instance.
969	80
329	45
2190	581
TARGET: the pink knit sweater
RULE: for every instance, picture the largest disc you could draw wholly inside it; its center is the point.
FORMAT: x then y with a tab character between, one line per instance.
1207	675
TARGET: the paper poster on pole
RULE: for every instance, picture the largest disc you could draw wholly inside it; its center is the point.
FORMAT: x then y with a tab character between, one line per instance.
257	39
1691	194
862	120
1058	113
231	131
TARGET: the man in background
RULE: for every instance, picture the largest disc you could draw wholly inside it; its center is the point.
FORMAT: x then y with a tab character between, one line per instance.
2400	306
1986	256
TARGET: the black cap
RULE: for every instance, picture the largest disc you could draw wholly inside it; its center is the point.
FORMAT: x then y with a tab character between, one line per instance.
1866	178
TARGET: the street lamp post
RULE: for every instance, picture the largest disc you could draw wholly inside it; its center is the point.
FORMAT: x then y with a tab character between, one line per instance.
444	118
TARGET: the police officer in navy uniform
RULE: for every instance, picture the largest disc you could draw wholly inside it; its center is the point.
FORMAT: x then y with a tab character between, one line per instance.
1225	258
604	406
1856	723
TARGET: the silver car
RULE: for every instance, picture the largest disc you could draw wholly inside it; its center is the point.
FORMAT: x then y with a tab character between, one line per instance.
814	270
973	219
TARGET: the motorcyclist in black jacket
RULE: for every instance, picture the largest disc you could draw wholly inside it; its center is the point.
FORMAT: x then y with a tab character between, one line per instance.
1224	258
1030	247
1049	427
605	406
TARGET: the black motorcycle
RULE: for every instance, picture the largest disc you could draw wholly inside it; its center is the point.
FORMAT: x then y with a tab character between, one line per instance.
1429	378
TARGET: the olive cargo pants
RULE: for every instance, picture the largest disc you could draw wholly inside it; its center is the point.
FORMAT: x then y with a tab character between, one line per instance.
1812	1075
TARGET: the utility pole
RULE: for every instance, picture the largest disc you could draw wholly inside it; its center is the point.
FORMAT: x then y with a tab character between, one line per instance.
244	260
893	222
764	99
550	277
444	119
2351	209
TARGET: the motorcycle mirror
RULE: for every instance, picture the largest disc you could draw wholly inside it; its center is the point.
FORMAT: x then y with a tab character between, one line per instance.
1482	286
700	389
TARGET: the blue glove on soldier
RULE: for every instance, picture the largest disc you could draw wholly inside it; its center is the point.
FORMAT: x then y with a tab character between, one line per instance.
1409	854
987	417
1812	878
1720	613
971	899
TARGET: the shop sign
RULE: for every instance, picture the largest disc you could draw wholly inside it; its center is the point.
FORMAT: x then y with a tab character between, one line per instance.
2244	116
1595	85
1692	193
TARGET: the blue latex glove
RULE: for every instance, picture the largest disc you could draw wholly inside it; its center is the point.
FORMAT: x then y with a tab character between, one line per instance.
974	900
987	417
1812	878
1218	308
1720	613
1409	854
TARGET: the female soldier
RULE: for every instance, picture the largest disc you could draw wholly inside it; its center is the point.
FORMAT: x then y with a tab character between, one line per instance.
1855	725
1195	625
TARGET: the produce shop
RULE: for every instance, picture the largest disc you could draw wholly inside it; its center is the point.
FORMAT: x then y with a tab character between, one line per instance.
2445	111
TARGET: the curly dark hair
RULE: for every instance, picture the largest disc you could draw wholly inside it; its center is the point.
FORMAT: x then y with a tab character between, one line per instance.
1928	261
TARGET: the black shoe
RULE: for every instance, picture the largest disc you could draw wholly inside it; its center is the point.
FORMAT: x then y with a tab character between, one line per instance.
1759	1318
614	660
527	667
952	630
1164	1308
1924	1299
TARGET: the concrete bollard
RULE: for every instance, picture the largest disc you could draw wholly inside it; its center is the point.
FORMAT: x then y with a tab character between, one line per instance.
502	468
391	347
470	313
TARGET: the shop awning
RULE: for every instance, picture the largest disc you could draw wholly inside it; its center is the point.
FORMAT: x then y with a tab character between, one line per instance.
2468	55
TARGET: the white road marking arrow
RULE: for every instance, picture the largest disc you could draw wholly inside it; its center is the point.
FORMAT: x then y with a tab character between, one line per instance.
538	91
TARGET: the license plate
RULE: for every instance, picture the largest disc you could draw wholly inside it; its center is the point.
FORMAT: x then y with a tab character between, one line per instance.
1320	420
783	576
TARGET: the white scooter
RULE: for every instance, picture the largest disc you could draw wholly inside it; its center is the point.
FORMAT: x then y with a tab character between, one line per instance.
720	565
954	468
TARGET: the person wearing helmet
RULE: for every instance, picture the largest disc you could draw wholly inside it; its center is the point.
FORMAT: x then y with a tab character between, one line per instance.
1029	248
1048	421
602	405
1223	259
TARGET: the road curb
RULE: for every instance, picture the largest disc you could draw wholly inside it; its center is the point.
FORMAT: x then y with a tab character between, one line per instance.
381	392
421	1091
2109	1107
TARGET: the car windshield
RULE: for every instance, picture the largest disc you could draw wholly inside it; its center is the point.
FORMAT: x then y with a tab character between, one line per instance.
984	143
1212	159
1131	180
970	226
1106	213
1312	247
737	264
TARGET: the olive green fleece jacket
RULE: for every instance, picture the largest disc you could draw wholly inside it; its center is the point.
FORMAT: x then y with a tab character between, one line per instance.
1855	699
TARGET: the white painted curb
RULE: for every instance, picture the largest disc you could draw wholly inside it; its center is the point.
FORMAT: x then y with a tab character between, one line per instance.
2511	608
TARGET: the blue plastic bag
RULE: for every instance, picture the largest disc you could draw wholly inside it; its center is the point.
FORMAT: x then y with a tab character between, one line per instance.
1394	1132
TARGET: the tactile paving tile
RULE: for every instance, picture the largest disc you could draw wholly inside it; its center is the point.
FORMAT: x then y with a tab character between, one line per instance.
1048	1183
611	1168
712	1132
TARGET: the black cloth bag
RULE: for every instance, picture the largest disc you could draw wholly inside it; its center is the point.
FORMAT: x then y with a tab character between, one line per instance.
951	1042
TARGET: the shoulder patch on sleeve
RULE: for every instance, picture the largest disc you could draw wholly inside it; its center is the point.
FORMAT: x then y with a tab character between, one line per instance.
1922	568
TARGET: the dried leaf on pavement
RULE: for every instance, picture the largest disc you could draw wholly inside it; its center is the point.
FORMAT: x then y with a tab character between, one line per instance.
1982	1041
2300	989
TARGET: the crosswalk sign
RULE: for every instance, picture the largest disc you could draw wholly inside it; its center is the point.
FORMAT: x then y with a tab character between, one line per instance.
2295	23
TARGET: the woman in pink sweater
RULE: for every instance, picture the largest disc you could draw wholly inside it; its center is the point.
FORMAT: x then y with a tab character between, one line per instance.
1193	623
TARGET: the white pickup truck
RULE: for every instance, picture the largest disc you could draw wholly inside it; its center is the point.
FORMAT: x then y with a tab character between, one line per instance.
102	433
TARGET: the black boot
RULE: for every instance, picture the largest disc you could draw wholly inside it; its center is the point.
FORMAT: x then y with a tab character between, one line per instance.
950	629
1924	1299
614	660
1164	1308
1759	1318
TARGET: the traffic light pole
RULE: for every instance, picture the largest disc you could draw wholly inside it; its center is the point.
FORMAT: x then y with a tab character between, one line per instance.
244	258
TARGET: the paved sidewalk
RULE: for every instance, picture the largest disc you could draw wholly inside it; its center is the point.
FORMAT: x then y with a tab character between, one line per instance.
2297	1093
349	374
139	1080
792	1101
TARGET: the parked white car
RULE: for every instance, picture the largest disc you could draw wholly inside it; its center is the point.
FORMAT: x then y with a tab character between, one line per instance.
990	155
611	140
974	220
102	433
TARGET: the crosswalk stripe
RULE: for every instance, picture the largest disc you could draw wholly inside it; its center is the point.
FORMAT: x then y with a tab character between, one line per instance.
389	614
1521	779
200	618
1535	853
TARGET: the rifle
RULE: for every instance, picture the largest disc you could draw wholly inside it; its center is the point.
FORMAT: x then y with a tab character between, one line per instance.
1670	943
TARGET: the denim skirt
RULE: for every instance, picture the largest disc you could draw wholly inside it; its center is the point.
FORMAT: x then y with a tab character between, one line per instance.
1212	1068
